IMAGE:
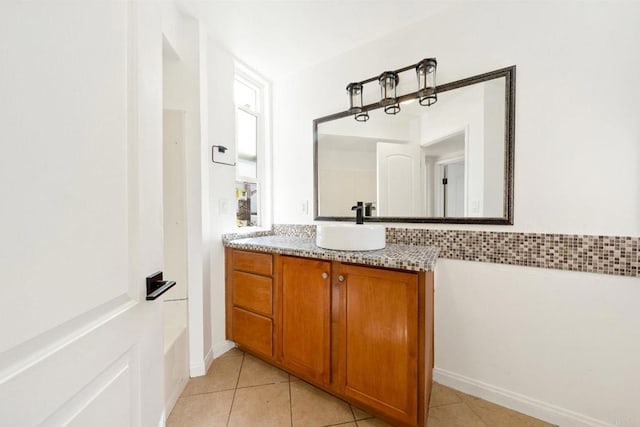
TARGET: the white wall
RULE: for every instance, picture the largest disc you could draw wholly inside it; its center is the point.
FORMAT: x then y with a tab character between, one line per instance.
183	237
208	71
545	342
571	356
183	91
205	76
568	117
219	121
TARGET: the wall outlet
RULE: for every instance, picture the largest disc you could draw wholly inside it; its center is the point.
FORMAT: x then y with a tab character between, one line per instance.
304	207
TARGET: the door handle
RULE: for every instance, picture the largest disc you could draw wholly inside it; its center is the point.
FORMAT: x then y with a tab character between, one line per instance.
156	286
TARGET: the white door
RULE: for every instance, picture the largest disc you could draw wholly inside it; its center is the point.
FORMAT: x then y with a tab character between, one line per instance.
399	180
450	189
454	189
81	217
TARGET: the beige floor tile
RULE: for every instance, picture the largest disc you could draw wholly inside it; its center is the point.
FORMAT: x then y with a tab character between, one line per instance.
498	416
234	352
223	375
466	398
256	372
374	422
360	414
454	415
210	410
443	395
312	407
267	396
265	406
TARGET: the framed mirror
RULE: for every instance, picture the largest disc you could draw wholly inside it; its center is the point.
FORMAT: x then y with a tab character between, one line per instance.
451	162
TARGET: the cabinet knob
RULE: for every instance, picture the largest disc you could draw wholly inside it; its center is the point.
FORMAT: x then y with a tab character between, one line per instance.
325	275
341	278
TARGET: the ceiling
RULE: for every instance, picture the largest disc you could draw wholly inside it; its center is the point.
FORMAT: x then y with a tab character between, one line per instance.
278	38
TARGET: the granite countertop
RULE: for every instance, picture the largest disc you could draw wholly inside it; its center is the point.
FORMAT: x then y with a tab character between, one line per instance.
404	257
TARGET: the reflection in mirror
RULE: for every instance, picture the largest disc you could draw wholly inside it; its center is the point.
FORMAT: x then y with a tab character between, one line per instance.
247	198
443	162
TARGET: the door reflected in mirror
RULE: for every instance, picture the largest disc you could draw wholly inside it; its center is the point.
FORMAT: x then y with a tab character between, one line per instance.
451	160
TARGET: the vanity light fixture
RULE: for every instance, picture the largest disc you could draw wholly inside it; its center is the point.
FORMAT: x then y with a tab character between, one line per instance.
426	94
355	102
426	73
388	84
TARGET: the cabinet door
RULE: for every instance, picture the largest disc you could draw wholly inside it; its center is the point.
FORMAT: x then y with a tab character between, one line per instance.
378	343
305	316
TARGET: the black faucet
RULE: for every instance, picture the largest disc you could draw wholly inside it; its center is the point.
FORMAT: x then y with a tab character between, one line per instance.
359	208
368	208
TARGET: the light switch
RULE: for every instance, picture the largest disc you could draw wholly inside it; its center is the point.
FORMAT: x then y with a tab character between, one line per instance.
225	207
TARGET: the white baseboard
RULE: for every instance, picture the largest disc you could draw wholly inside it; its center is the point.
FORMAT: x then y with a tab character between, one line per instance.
518	402
171	401
222	347
199	369
208	359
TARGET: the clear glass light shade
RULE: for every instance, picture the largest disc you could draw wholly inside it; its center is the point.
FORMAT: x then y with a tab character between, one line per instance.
426	73
388	84
354	90
362	117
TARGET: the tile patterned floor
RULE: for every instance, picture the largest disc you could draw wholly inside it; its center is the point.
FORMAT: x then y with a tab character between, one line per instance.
240	390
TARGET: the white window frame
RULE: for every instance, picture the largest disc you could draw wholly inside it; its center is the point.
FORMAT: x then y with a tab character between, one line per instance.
250	78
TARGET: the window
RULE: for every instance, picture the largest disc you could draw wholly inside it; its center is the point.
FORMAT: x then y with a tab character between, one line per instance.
250	148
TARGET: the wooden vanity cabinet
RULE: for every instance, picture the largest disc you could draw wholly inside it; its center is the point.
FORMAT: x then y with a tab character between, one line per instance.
363	333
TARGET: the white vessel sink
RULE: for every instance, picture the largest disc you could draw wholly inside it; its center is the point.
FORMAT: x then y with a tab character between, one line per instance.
350	237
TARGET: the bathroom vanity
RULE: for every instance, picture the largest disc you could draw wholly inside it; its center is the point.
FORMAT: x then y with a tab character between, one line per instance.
356	324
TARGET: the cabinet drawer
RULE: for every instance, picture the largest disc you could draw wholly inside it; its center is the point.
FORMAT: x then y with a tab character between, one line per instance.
253	292
253	331
253	262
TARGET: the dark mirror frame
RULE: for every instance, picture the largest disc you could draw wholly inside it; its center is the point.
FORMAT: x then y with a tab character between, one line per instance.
509	73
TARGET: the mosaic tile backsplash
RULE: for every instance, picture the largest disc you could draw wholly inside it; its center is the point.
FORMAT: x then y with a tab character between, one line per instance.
295	230
617	255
